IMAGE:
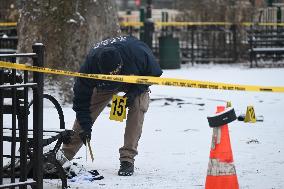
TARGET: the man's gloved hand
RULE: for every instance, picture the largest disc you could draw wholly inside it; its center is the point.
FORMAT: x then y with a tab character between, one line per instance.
85	135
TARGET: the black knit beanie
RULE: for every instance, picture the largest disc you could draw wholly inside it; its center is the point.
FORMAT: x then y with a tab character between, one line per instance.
110	61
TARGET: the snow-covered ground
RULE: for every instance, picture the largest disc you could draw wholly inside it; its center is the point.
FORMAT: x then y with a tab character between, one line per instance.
175	144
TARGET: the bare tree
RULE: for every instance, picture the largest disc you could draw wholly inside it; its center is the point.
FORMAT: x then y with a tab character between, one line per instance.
67	28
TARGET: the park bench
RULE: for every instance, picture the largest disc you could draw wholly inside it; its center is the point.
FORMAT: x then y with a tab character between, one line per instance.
9	31
265	44
8	45
27	165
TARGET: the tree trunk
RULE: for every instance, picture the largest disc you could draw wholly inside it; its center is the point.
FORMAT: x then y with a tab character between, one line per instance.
67	28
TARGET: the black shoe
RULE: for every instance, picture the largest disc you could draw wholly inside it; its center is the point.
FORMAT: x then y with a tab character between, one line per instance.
126	168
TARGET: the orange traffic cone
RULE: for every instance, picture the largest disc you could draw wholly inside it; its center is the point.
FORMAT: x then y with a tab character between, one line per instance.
221	173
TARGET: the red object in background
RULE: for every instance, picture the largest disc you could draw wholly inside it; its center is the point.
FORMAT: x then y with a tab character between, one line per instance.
137	2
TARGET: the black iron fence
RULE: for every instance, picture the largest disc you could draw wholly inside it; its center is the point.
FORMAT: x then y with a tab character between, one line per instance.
8	31
201	43
8	40
15	131
194	43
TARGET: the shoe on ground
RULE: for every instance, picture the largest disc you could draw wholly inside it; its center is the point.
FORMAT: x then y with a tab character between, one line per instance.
126	169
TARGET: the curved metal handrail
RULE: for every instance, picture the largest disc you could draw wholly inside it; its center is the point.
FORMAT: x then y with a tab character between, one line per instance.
57	106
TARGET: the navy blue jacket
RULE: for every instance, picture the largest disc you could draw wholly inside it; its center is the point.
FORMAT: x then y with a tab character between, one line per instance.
137	58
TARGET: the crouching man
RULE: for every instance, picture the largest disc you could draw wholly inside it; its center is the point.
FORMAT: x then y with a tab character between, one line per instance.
123	55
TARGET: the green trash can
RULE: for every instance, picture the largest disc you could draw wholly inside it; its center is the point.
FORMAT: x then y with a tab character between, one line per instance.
169	52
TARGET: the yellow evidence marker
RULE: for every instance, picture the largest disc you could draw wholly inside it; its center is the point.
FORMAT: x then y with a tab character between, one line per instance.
229	104
250	115
118	108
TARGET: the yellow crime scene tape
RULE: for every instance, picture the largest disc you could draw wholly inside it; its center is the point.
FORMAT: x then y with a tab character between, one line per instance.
3	24
180	24
146	79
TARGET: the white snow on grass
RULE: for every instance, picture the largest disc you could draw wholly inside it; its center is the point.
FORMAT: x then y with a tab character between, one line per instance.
176	139
175	144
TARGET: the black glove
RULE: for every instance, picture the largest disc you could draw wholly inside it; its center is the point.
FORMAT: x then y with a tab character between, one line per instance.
85	135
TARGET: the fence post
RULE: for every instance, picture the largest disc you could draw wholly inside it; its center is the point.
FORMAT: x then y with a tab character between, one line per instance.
149	9
142	19
23	134
149	30
149	25
38	48
192	45
130	27
14	127
1	128
235	51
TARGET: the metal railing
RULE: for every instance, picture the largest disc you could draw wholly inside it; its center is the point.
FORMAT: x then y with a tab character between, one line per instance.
205	42
9	88
199	42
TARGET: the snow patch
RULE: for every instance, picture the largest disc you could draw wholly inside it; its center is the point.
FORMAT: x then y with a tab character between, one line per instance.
175	144
72	21
80	17
54	9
